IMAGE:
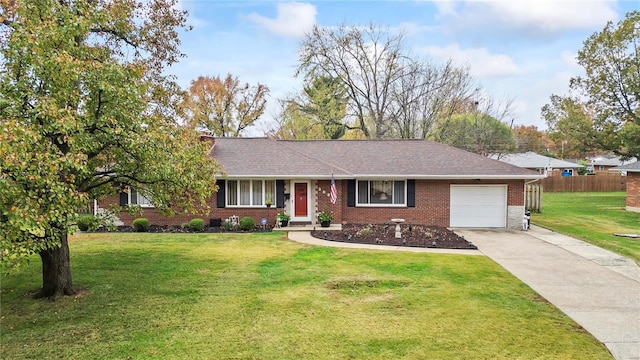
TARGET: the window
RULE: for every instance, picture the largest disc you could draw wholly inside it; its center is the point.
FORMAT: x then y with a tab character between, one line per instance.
249	193
136	198
381	193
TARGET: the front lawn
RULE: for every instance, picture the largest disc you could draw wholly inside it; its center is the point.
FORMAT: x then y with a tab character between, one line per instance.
260	296
593	217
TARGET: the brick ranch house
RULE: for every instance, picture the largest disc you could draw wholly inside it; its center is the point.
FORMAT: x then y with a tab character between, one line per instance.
633	185
377	180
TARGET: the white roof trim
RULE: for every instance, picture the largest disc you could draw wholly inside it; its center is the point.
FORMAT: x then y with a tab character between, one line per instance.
387	177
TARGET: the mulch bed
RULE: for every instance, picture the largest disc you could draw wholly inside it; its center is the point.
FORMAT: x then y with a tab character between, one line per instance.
384	234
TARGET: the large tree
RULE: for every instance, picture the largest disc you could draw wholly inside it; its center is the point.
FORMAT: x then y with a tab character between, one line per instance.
479	133
86	111
611	86
225	107
571	128
318	112
293	124
529	138
426	95
390	93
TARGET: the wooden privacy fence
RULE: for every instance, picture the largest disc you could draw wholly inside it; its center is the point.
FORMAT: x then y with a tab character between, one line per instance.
588	183
533	197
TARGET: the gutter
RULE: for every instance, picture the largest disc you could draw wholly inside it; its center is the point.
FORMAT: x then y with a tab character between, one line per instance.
533	178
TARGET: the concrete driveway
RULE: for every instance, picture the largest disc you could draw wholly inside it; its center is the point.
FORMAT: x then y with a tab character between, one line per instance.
597	288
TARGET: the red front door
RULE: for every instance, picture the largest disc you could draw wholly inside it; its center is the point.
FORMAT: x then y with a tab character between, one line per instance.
300	201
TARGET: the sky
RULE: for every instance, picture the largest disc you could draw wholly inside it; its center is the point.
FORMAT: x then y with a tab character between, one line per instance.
520	50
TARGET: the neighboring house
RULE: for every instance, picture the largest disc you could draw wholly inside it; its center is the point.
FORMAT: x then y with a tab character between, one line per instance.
633	185
377	180
604	163
541	164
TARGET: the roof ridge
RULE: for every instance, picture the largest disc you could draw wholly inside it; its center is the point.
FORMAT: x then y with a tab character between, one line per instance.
349	140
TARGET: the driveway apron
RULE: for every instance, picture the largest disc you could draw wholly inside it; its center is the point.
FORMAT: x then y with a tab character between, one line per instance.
598	289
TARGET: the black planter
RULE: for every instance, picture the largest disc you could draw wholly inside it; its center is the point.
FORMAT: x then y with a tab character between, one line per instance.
325	223
284	223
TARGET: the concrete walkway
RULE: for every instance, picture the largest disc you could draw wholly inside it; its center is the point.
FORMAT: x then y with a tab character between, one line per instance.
595	287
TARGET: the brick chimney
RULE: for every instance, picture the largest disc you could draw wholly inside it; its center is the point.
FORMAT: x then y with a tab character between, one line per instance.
208	136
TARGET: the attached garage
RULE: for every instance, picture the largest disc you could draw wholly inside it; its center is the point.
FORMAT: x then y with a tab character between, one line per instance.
478	206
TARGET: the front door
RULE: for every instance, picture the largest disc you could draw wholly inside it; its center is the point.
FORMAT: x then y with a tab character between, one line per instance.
301	200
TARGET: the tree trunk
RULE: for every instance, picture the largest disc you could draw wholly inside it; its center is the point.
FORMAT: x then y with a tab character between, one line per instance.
56	271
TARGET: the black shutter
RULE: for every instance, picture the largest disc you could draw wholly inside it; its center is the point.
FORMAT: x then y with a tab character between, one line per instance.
222	190
124	198
411	193
351	193
280	193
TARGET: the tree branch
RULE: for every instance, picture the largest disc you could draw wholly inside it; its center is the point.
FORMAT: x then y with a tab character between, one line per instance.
116	34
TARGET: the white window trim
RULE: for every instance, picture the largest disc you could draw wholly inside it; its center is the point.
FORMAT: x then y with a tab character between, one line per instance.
138	197
359	204
264	193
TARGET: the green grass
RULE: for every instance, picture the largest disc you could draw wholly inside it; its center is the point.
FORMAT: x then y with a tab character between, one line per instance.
593	217
260	296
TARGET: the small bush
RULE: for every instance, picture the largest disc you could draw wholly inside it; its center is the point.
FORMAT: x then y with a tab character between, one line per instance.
196	224
364	232
141	225
227	225
247	223
85	222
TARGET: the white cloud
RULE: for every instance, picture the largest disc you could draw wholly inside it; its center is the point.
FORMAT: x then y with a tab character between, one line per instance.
481	63
293	19
570	59
445	7
414	28
552	15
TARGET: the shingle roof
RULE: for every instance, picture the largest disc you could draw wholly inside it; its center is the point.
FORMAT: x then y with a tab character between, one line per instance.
633	167
531	160
610	161
419	159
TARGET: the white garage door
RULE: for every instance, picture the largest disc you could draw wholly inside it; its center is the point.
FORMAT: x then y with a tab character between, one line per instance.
481	206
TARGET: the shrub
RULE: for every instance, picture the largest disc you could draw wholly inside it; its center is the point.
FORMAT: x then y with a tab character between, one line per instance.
282	216
85	222
247	223
325	215
227	225
141	225
104	219
364	232
196	224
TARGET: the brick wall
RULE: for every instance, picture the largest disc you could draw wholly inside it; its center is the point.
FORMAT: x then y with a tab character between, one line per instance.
322	200
633	191
155	218
432	205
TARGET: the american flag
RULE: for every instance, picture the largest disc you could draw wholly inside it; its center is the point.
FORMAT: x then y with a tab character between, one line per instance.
334	191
